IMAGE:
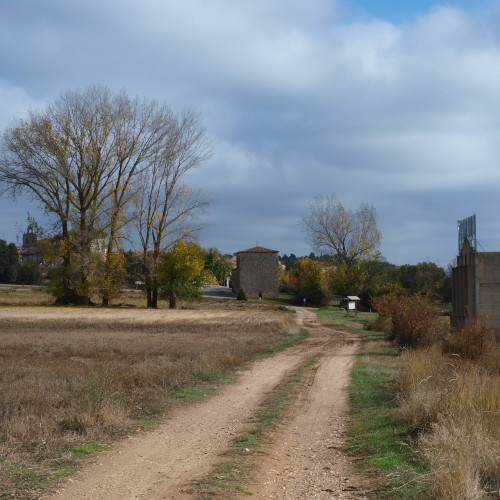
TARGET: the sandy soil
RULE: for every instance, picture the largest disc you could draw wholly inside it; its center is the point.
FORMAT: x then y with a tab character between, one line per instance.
306	461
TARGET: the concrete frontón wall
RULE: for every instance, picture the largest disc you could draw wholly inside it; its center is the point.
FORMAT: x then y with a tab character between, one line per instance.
476	287
488	306
256	272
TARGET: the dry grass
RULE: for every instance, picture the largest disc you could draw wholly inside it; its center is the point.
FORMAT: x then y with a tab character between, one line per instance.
449	396
74	375
454	404
472	342
24	295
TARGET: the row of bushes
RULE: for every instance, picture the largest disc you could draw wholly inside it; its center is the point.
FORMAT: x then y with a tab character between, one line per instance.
414	322
448	390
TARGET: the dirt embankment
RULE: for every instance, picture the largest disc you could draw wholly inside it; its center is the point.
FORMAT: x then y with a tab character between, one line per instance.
306	461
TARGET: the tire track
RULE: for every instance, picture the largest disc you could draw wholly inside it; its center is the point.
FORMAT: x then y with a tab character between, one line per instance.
160	463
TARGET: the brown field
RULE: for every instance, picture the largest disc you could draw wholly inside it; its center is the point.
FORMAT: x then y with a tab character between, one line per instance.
24	295
74	376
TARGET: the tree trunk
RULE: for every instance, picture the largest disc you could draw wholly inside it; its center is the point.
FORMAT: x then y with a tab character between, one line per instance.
154	300
84	256
172	300
68	294
154	293
148	297
107	263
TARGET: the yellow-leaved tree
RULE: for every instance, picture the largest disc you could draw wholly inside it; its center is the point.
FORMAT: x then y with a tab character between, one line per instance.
349	237
182	273
311	282
344	280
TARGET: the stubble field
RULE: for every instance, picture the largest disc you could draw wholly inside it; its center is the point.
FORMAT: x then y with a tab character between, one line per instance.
74	378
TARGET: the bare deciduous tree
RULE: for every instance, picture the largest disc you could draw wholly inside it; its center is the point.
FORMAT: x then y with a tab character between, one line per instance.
167	209
142	134
33	160
81	159
346	235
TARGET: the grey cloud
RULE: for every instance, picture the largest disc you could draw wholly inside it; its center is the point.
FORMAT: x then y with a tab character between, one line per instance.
298	101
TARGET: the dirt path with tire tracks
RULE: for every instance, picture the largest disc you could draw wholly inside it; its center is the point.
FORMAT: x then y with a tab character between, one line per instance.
306	461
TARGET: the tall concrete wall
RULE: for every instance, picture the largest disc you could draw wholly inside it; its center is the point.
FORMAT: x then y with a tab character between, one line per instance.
476	288
488	306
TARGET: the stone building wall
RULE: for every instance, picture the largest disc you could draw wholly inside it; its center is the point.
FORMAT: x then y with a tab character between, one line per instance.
256	272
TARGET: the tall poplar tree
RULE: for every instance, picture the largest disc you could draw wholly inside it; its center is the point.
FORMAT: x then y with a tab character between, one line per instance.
81	158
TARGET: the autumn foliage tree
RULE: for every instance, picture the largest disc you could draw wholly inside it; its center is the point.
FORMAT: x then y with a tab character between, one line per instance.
426	278
182	273
344	280
311	282
348	237
166	209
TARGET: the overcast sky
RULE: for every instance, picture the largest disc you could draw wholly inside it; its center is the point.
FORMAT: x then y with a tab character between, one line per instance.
395	103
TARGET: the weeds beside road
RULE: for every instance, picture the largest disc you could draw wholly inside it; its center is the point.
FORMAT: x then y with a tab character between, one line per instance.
426	418
426	405
386	455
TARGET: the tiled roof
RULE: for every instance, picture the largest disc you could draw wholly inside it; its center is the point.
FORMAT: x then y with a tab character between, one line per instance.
257	250
31	251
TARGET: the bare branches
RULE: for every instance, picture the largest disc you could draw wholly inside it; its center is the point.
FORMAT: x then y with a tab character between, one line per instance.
167	210
89	154
345	234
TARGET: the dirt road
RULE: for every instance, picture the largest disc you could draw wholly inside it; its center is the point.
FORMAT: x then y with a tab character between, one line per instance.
306	461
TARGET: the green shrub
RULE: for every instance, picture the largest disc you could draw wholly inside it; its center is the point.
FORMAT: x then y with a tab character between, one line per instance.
241	295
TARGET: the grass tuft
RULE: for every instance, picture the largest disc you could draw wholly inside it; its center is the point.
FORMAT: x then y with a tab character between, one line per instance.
454	406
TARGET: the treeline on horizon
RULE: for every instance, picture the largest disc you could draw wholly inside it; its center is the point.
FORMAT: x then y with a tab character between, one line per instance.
14	271
315	277
319	278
